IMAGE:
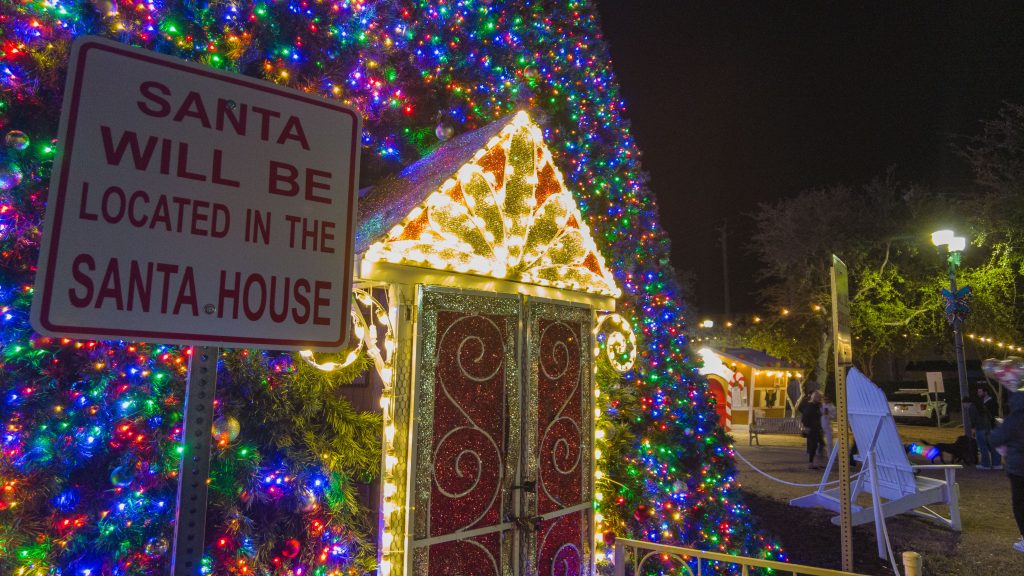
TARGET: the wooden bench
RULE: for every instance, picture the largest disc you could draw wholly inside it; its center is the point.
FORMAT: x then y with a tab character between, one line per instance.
778	425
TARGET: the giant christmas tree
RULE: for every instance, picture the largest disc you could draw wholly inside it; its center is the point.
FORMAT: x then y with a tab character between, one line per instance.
91	429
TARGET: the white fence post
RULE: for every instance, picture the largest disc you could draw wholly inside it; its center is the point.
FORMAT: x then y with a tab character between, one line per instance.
911	564
620	558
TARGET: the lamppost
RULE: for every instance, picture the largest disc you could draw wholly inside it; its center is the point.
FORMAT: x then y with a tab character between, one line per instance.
956	308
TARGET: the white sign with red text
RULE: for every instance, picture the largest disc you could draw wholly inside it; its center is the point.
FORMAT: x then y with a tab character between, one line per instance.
190	205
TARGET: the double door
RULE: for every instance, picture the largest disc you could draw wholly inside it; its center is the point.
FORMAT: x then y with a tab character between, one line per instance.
503	437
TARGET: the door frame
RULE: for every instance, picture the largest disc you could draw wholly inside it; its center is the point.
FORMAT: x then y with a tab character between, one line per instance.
524	553
529	465
424	293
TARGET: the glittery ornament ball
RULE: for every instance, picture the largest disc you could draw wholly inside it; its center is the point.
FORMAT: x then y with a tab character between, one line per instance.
10	174
608	537
17	140
122	476
67	500
226	428
306	500
291	548
157	546
640	513
444	131
105	7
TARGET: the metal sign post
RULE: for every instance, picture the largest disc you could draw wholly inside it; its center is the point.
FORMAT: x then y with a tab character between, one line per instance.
843	346
194	470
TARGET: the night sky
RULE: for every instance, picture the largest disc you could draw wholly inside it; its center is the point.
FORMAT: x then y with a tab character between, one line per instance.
736	103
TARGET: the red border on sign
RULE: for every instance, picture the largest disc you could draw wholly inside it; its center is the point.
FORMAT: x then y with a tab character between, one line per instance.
58	208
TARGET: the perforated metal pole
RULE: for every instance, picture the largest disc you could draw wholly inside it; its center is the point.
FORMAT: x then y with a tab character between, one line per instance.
194	470
843	347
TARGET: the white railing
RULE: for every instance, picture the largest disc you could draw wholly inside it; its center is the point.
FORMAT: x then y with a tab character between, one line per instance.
652	555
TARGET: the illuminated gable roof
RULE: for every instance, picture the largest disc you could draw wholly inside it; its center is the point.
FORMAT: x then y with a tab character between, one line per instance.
757	359
492	203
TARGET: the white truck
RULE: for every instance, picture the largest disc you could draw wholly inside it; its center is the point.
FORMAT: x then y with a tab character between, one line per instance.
917	403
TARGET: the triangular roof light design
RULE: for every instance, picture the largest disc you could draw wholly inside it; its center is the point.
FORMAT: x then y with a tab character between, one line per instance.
501	210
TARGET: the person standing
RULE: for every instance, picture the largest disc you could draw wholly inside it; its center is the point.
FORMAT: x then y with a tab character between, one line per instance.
1008	439
810	417
982	415
967	405
828	416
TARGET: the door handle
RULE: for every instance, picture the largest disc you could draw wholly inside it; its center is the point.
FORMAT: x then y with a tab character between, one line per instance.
527	523
529	486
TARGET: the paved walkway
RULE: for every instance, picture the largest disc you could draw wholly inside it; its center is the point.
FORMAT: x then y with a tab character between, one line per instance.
988	526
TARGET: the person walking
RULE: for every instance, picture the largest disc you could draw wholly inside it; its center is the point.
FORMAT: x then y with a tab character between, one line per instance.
810	417
828	416
982	415
1008	439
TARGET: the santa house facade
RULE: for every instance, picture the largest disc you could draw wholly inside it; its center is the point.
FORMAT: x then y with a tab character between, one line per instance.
746	382
483	301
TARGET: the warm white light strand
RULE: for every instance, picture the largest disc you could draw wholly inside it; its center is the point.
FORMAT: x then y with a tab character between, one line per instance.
996	343
366	336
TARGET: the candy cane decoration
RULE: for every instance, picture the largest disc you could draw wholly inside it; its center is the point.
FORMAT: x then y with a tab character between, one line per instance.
728	411
737	381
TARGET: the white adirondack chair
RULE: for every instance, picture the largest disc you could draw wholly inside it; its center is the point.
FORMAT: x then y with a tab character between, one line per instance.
887	473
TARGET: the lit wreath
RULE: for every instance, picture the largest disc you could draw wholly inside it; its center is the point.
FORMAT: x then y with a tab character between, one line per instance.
615	336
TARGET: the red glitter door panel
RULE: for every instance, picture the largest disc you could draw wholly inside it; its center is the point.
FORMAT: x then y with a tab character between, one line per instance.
560	550
559	439
467	410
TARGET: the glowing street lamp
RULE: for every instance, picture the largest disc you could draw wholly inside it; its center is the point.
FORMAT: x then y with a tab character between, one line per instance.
942	237
956	309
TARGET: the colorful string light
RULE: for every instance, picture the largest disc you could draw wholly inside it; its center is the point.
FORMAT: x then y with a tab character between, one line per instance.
419	72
